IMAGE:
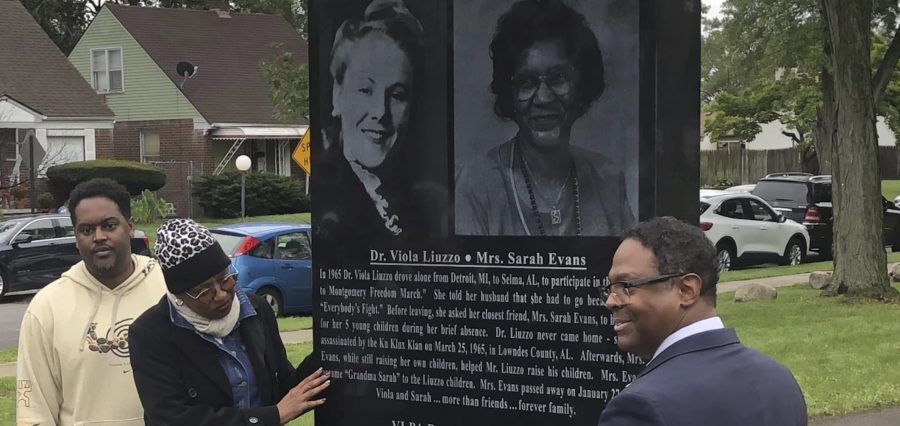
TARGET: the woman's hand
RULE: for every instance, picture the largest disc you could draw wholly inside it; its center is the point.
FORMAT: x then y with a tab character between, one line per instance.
299	399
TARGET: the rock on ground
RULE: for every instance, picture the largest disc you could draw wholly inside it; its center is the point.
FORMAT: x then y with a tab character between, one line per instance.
754	291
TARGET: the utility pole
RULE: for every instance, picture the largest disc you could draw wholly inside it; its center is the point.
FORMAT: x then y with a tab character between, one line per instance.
31	172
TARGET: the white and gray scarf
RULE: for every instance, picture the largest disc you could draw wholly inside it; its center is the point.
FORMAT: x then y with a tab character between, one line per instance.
218	328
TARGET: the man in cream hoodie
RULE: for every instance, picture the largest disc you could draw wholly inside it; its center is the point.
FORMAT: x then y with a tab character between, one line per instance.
73	365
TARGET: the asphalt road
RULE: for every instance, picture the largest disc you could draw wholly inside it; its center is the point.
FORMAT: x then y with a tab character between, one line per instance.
11	311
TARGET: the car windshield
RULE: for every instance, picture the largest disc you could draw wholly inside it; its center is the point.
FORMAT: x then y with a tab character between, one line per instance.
779	190
7	227
229	242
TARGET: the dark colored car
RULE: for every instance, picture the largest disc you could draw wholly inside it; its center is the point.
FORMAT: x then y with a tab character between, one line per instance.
36	250
274	260
807	199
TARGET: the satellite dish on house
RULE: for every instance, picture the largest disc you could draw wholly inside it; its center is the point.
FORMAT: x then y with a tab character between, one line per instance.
186	70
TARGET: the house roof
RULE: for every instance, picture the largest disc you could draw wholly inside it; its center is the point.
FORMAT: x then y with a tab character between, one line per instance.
229	85
36	74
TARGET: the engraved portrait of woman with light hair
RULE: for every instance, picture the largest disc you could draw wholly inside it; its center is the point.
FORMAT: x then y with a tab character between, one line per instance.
374	71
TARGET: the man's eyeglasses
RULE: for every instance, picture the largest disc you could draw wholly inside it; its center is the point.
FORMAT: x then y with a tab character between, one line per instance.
621	290
559	80
205	293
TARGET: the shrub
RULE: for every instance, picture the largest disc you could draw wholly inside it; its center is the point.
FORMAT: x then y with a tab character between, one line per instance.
220	196
148	208
723	182
135	177
45	201
19	191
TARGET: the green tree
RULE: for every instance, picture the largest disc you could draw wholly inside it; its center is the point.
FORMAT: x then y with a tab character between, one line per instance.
836	64
889	107
294	11
856	192
758	42
63	20
289	92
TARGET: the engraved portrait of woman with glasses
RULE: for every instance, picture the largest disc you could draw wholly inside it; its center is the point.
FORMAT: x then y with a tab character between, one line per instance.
548	71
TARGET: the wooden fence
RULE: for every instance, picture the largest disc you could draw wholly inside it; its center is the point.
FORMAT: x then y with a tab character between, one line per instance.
736	166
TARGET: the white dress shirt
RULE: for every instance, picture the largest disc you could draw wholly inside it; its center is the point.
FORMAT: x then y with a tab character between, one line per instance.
714	323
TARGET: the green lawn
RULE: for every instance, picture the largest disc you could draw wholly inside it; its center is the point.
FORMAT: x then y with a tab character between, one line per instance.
150	229
290	324
776	271
284	324
7	400
843	354
890	189
296	353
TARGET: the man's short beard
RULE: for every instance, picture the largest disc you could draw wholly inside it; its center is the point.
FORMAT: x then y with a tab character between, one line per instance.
105	271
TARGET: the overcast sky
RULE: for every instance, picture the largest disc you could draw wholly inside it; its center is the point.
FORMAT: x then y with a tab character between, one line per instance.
714	6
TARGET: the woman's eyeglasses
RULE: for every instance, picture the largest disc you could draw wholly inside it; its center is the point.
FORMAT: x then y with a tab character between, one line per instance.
205	293
559	80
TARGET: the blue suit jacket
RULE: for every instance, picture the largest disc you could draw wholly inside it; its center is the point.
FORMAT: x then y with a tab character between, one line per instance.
709	379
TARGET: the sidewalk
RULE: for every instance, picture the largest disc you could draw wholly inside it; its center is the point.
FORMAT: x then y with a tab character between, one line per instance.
885	417
784	280
299	336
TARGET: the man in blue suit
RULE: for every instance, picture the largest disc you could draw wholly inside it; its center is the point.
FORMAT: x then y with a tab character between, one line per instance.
662	293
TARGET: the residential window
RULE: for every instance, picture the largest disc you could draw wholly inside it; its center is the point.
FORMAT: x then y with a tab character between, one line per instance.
261	156
149	146
283	158
62	149
106	70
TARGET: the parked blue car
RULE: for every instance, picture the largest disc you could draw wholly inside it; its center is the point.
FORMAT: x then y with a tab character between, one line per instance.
274	260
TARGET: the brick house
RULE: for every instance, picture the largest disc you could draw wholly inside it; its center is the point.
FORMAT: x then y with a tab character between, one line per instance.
190	126
42	98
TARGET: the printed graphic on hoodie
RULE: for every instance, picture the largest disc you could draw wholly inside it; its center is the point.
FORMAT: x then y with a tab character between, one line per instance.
22	391
117	344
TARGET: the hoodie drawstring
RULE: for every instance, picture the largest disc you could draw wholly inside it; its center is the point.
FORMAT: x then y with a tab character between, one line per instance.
115	309
112	318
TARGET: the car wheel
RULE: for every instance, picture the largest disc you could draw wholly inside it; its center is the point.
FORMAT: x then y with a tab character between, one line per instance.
725	255
3	284
793	253
273	299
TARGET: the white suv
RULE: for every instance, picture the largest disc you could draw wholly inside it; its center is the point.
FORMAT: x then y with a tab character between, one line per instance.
745	228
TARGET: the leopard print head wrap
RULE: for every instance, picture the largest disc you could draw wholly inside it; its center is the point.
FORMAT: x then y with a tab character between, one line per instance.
188	254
